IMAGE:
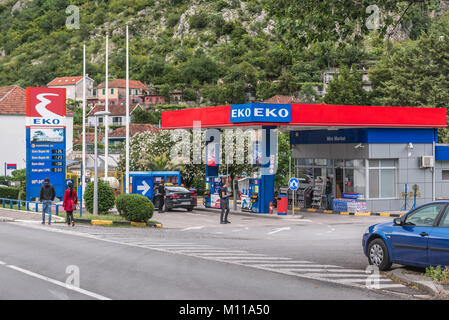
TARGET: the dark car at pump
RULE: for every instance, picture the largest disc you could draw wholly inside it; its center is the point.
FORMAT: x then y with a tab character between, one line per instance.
177	197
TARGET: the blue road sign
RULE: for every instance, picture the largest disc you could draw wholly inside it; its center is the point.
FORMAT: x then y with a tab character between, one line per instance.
293	184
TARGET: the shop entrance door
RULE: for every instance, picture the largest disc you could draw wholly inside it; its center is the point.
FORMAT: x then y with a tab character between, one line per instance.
338	182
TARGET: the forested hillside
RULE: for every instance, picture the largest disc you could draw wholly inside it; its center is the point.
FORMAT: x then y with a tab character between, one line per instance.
223	49
174	43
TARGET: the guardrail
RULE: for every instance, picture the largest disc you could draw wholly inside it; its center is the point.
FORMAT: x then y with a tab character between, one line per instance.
24	203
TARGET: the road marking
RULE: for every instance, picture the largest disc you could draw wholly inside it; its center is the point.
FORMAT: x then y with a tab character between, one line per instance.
321	266
361	280
193	228
335	275
254	258
220	254
384	286
279	230
59	283
2	263
212	252
280	263
321	270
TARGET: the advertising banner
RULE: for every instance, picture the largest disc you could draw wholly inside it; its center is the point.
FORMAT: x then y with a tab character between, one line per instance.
45	139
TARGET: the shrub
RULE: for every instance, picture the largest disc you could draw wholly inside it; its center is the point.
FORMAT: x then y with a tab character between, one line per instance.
439	274
106	197
9	192
134	207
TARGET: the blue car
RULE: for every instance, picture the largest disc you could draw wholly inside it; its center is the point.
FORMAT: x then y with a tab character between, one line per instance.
419	238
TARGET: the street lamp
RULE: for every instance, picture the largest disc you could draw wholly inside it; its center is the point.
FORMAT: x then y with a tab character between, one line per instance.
97	114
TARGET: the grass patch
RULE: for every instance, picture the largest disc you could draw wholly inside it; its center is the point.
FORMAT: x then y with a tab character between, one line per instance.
438	274
112	217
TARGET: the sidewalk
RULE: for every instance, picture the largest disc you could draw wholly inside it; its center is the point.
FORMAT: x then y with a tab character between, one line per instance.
16	215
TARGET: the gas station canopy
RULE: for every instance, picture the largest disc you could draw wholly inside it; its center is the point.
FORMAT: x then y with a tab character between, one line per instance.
305	115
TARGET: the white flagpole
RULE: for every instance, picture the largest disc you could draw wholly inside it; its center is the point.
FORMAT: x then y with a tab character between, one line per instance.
106	108
83	178
127	113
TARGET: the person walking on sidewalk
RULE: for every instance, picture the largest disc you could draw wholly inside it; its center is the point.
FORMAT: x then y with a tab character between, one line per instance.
224	204
47	196
69	203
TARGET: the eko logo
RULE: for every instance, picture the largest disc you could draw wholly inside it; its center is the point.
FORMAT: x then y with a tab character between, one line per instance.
261	112
46	107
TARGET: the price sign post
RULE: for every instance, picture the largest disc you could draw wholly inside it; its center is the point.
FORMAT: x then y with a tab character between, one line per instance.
45	140
293	184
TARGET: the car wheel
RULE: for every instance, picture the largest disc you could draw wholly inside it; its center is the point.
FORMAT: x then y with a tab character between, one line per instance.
189	209
378	254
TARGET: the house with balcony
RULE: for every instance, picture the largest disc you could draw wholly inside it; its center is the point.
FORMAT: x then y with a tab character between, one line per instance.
117	92
117	116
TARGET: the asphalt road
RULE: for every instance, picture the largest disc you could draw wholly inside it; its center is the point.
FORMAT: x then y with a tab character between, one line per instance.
34	260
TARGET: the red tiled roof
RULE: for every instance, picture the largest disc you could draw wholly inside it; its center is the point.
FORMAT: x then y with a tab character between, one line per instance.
61	81
90	138
114	109
12	100
121	83
280	99
134	128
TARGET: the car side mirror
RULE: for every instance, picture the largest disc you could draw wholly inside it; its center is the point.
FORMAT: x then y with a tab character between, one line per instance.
397	222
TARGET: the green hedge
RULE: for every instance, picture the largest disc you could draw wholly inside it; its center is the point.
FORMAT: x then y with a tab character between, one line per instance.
9	192
106	197
134	207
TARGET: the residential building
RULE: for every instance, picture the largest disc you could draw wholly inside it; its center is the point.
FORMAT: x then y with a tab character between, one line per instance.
74	87
13	124
117	92
116	118
330	74
119	135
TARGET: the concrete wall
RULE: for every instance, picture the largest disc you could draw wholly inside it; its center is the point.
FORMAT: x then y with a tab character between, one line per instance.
13	140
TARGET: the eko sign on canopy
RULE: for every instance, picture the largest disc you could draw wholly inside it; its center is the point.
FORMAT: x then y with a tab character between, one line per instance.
46	141
260	112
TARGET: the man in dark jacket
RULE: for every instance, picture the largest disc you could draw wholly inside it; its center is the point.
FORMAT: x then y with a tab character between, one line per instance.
161	192
224	203
47	195
328	194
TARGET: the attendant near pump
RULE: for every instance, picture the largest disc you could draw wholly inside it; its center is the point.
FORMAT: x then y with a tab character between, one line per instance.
161	192
328	194
224	203
69	203
47	195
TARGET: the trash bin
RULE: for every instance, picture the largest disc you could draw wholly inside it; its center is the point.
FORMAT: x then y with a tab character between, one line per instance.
282	205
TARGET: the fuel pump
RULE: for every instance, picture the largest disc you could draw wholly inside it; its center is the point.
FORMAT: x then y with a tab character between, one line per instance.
211	196
254	194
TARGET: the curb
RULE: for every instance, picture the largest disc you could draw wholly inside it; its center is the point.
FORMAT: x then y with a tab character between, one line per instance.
303	210
422	282
357	214
121	223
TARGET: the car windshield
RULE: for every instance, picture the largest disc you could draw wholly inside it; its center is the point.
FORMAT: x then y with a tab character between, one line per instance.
177	189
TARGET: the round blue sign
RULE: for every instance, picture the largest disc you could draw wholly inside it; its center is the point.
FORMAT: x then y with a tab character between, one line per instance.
293	184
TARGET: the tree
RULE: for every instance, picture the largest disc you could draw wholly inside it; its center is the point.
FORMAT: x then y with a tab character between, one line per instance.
189	95
308	92
346	88
346	21
288	84
415	74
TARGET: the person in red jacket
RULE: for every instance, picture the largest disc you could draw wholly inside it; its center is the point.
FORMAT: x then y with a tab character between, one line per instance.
69	203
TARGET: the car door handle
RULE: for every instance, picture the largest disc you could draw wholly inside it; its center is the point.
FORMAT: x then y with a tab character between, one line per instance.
423	234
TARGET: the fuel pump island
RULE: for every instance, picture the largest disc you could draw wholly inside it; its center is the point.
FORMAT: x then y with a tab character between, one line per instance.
358	135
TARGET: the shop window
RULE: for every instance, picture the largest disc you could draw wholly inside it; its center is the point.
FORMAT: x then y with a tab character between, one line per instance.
321	162
445	175
382	178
